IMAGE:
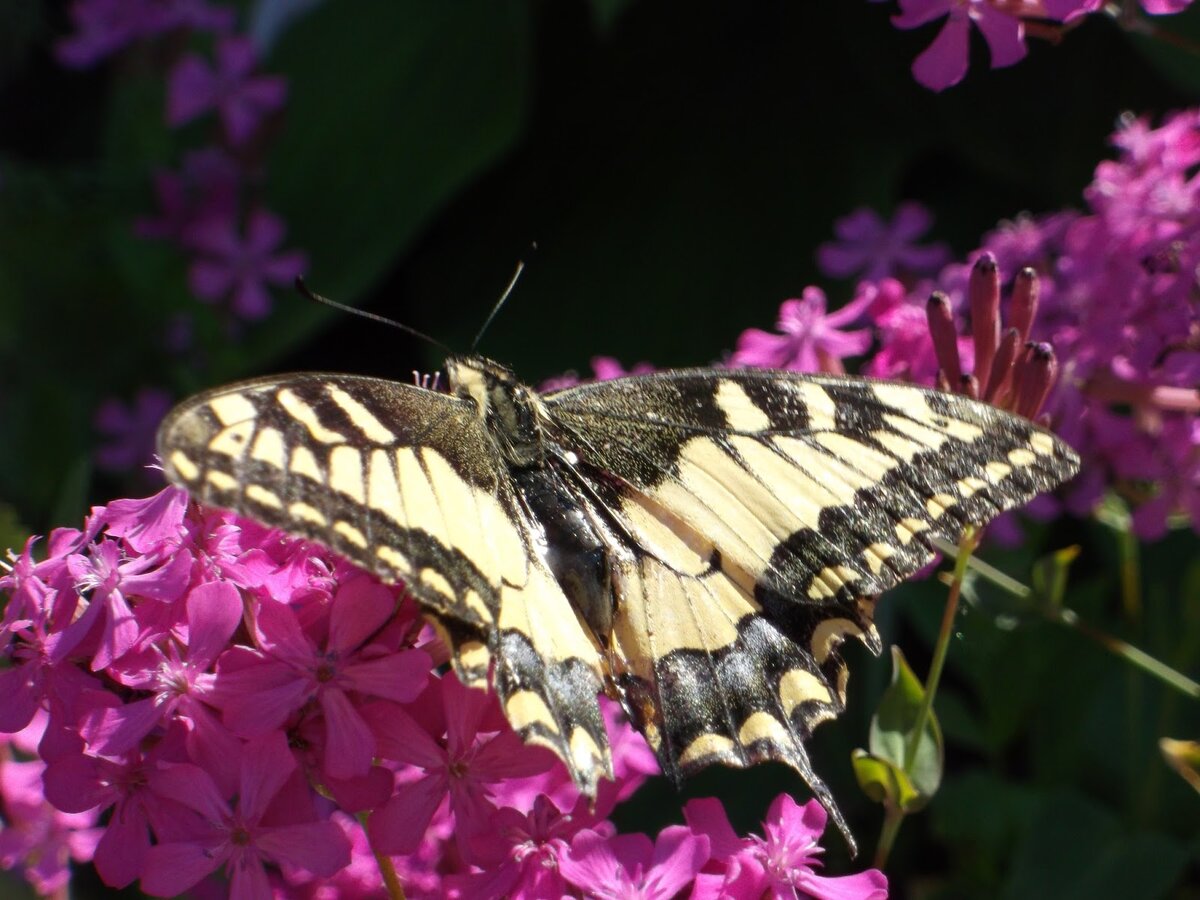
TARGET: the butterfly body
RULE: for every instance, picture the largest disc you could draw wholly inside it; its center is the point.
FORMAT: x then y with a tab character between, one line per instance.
696	543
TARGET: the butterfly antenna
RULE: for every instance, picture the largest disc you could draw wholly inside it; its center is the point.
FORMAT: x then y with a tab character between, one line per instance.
512	283
374	317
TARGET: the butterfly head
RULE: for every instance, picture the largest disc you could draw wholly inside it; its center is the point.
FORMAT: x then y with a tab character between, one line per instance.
512	411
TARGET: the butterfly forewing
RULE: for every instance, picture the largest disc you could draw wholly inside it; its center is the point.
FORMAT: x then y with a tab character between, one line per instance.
406	483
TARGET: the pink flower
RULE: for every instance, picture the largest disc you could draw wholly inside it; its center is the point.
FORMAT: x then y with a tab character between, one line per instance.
239	837
873	248
241	100
205	188
77	783
459	747
944	62
177	683
259	689
242	266
109	580
812	341
519	853
779	865
633	866
37	838
103	27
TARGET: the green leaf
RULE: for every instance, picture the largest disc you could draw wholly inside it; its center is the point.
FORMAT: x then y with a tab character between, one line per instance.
896	721
885	782
886	773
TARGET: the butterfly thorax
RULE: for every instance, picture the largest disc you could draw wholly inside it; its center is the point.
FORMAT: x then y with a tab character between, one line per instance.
512	412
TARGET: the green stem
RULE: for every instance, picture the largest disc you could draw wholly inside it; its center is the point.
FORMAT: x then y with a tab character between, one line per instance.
387	871
1139	658
1131	593
966	547
892	817
1131	654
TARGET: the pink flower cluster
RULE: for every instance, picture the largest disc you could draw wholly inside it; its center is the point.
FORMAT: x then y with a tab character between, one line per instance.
1004	25
1112	290
193	698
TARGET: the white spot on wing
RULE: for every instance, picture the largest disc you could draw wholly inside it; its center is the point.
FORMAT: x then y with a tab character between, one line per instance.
364	420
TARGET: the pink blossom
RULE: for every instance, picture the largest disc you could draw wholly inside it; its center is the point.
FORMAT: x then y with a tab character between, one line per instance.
259	689
944	62
103	27
812	340
205	188
78	783
242	266
633	866
778	865
872	248
458	744
240	837
241	100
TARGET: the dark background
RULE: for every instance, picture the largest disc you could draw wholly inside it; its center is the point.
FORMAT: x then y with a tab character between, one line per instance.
677	165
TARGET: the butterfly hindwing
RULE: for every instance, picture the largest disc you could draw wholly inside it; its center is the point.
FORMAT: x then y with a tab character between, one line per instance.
406	483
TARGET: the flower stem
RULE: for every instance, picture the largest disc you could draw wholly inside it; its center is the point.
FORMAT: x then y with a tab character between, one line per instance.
387	870
1131	654
966	546
892	817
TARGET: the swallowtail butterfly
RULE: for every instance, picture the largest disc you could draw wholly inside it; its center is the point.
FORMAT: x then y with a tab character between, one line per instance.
696	543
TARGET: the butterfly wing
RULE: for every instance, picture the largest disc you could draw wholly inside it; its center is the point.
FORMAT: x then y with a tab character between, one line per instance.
406	483
762	511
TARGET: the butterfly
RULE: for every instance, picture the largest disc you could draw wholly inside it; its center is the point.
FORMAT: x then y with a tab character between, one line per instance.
695	543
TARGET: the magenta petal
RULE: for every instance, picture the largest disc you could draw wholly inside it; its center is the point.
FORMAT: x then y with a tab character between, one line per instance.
264	231
914	13
402	738
506	756
283	268
250	882
251	300
121	853
349	744
22	697
399	825
944	62
591	864
214	611
191	88
706	815
209	280
318	847
116	730
261	697
73	783
191	786
267	763
1005	36
398	676
360	607
869	885
173	868
678	856
236	56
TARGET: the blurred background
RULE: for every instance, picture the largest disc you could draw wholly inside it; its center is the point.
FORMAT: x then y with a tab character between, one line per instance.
677	167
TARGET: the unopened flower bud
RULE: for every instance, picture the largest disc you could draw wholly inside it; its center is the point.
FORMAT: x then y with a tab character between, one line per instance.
983	289
945	338
1035	378
1026	291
